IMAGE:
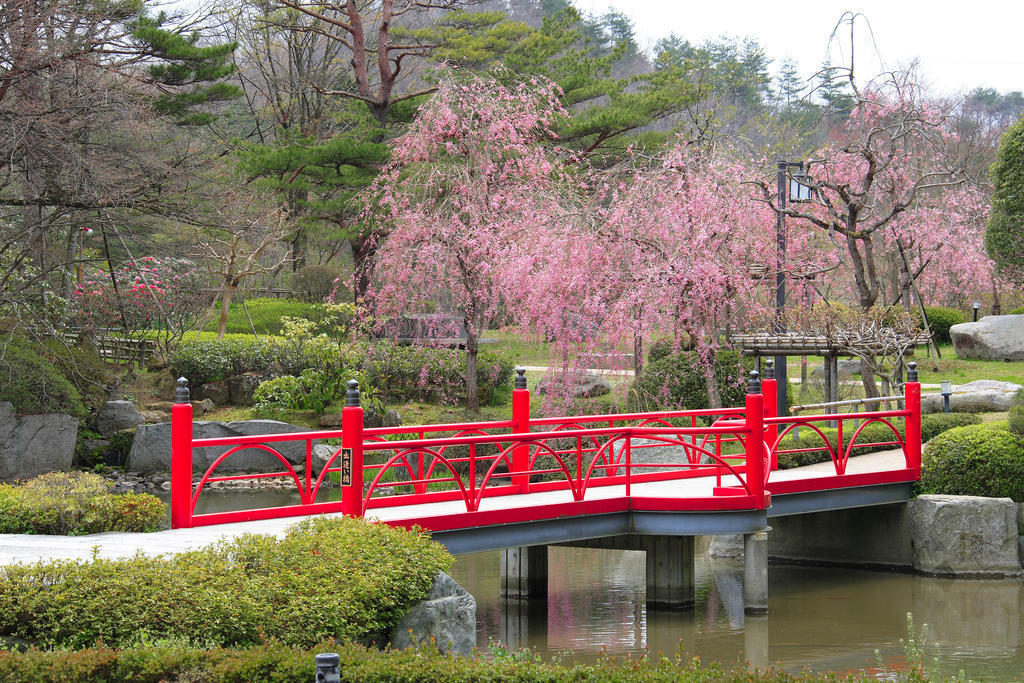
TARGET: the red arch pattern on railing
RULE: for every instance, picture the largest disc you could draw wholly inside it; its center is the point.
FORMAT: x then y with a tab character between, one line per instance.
472	462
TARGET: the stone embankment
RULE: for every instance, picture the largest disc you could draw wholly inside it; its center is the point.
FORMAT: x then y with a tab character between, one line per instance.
966	536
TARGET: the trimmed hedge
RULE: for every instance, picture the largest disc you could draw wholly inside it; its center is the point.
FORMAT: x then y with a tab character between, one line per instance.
282	664
327	578
940	319
977	460
931	426
266	315
33	383
676	381
74	503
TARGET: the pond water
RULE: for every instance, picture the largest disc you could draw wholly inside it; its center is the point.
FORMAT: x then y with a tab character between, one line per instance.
828	619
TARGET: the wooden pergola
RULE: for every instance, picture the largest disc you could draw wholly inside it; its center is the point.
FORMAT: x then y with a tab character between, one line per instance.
761	344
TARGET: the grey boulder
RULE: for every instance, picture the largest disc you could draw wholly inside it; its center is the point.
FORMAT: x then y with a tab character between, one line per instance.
994	337
964	535
447	616
241	388
117	415
35	444
576	385
217	392
979	396
151	449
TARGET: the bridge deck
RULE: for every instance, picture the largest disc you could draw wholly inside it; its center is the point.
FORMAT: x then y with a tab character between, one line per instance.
542	517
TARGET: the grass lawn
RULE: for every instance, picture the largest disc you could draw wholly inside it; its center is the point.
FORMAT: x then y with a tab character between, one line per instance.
956	370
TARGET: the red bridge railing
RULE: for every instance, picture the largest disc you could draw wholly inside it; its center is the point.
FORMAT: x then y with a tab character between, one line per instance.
473	462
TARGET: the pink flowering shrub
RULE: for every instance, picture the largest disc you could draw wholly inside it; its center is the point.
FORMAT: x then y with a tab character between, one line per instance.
165	295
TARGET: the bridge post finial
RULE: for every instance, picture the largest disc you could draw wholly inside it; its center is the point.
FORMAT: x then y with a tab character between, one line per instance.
352	395
182	394
520	377
769	369
754	383
912	372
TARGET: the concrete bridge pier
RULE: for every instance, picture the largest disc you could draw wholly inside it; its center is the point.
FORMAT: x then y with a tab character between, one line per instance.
755	572
524	572
669	568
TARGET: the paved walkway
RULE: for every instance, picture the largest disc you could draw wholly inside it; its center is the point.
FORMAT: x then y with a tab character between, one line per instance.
25	548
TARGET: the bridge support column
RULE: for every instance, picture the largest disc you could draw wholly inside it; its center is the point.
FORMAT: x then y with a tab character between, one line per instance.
524	572
670	572
755	572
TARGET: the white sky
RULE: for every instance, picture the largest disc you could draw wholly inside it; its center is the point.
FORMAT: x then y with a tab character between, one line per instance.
960	45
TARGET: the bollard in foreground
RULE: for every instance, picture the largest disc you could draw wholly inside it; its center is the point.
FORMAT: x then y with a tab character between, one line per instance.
328	668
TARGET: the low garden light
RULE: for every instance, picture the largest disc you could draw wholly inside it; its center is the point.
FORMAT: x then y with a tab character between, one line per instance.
976	306
947	391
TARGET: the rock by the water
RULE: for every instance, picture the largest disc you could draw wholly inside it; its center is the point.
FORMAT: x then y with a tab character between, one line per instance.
391	419
979	396
967	535
217	392
994	337
151	450
321	454
577	385
447	616
35	444
242	387
117	415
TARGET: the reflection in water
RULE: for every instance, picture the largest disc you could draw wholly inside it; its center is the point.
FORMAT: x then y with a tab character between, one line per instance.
824	618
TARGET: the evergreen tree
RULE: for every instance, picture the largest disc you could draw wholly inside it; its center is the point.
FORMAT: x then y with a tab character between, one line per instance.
1004	236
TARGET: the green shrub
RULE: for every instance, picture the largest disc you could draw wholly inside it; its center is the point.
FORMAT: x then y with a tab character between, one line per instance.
940	319
676	382
327	578
977	460
314	284
1017	311
173	661
33	383
312	390
931	426
73	503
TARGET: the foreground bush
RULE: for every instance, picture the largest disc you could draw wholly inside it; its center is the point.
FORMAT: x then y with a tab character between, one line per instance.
977	460
73	503
675	381
273	662
328	578
931	426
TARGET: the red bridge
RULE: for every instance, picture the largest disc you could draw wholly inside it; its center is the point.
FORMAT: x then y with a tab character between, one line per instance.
642	481
449	477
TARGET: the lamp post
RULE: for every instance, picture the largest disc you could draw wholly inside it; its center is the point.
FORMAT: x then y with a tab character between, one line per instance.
947	391
800	189
976	306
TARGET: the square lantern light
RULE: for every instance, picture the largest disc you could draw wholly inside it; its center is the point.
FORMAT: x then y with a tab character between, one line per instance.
801	185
